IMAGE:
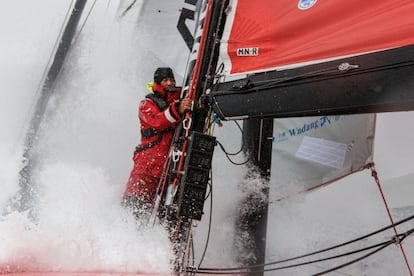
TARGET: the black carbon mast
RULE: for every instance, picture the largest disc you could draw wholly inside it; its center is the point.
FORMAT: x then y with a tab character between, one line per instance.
26	194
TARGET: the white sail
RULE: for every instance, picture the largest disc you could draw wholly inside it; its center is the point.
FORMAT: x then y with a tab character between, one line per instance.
309	152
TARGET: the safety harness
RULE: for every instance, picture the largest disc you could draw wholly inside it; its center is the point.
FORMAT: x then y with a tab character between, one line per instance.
150	132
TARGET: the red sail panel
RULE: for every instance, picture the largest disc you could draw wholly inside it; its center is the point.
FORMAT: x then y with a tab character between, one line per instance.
266	34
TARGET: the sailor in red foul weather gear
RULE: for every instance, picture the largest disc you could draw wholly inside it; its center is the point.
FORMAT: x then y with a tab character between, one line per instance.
158	114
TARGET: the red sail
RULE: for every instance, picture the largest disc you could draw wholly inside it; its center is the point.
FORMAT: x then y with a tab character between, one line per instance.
277	33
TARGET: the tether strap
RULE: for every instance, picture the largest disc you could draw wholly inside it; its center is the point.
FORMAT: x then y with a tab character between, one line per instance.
147	133
158	100
140	148
150	132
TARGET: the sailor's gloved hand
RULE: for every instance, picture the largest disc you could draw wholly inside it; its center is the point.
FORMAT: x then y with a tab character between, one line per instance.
185	105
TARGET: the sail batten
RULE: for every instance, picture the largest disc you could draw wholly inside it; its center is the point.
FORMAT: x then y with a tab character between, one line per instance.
373	83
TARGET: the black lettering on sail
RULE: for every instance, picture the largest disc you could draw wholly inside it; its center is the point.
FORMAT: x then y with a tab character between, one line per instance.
183	29
192	41
246	52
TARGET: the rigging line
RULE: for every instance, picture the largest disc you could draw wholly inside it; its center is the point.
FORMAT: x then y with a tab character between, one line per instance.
360	71
215	43
381	246
355	260
195	81
312	261
241	147
128	8
270	83
228	157
209	191
209	125
219	71
218	76
192	251
329	248
336	271
332	71
210	219
259	150
376	178
84	22
48	65
183	252
398	239
340	255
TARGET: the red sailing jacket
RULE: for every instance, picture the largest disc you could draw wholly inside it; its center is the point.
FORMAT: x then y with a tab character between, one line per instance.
156	135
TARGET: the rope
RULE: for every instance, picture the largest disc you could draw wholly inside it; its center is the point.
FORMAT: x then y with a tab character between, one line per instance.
128	8
252	269
228	157
242	145
355	260
396	239
228	154
256	268
210	219
376	178
45	71
194	84
254	86
84	22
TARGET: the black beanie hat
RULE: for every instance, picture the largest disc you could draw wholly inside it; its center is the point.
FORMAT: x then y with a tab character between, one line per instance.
162	73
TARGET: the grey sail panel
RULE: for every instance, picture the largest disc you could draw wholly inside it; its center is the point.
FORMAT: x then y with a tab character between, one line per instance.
312	151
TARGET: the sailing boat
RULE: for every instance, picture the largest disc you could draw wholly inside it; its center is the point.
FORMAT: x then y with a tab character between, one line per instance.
301	59
263	134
